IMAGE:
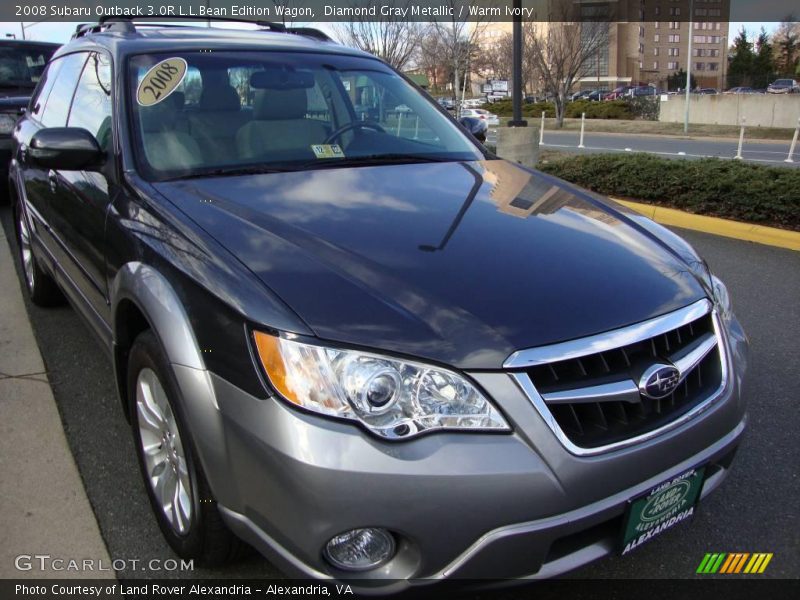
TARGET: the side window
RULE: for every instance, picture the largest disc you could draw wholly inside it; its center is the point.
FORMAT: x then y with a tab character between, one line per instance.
45	85
372	101
57	107
91	107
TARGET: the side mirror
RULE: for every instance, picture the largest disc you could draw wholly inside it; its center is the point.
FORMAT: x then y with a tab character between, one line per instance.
65	148
475	126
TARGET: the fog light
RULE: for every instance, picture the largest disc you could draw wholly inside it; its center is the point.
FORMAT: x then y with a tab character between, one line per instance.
360	549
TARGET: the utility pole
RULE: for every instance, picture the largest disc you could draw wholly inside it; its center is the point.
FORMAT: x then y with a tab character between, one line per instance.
688	68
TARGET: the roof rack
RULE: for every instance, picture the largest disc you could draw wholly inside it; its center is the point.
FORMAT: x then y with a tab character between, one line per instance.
127	25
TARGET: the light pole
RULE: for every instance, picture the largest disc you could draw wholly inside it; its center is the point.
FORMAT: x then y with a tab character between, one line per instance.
516	99
688	69
23	27
724	62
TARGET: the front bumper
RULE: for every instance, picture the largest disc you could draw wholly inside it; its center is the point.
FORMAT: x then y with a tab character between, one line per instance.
461	505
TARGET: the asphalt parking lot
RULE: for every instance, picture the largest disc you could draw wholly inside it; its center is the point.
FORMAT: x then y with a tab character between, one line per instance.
756	510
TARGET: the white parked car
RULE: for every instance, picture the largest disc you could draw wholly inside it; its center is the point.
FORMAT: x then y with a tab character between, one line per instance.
474	103
483	115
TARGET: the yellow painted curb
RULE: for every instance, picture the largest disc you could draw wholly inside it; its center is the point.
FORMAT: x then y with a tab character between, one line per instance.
771	236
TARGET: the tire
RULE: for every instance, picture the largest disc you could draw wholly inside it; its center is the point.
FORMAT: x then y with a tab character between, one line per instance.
42	289
192	525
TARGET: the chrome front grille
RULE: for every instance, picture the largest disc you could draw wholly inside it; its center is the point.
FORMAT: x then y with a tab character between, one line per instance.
588	390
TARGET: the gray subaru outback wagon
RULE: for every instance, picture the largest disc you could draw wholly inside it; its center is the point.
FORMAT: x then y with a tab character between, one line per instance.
345	333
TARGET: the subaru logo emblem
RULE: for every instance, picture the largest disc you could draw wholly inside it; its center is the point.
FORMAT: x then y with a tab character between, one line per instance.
659	381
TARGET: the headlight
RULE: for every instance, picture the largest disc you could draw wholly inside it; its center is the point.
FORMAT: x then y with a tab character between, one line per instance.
390	397
7	123
721	297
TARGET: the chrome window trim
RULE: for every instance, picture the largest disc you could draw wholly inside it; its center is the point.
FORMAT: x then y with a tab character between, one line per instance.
526	385
522	359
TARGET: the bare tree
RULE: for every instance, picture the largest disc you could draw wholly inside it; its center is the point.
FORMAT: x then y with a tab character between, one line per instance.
428	58
495	60
458	43
392	38
562	50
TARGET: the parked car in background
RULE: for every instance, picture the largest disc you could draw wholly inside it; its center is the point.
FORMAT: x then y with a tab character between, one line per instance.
597	95
496	97
580	95
643	90
619	92
783	86
447	103
740	90
21	66
706	92
473	102
483	115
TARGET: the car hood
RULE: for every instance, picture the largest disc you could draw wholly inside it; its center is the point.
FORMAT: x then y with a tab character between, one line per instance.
461	263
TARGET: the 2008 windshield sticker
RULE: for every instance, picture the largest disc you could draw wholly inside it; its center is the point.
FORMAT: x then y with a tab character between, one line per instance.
160	81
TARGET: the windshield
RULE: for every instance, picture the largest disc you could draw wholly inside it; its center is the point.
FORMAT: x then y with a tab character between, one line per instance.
198	113
22	66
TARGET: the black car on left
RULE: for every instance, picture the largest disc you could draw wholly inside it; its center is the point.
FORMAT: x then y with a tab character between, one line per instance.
21	66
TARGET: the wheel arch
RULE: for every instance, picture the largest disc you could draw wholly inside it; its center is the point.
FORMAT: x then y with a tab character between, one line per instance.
142	299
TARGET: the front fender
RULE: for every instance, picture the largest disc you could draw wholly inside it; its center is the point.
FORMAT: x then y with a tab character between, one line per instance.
156	299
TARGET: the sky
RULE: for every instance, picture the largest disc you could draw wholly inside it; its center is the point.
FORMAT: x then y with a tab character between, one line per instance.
61	32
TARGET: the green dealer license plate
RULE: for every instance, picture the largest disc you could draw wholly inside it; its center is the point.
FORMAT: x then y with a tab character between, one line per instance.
661	508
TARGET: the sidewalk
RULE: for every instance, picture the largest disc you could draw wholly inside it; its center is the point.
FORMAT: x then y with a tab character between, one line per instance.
43	505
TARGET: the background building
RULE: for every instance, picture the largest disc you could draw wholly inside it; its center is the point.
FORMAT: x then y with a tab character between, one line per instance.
648	41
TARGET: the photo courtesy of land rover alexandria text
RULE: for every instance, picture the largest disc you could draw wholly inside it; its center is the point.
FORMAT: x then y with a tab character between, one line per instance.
345	333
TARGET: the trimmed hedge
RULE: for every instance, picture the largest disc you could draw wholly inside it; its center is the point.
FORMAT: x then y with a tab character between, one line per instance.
721	188
615	109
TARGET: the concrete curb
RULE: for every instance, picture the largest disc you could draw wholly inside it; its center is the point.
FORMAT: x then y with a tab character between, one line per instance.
760	234
44	509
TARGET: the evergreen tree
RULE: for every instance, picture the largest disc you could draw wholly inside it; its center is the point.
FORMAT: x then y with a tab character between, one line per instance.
677	81
740	67
763	72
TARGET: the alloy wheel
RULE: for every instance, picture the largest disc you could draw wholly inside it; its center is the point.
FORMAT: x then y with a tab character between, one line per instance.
163	452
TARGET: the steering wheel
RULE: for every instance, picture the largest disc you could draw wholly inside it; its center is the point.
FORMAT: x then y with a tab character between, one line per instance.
351	126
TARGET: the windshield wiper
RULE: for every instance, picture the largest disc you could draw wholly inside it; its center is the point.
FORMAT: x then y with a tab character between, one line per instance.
232	172
376	159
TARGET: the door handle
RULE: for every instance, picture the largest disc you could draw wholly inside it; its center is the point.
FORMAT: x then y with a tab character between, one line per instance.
52	177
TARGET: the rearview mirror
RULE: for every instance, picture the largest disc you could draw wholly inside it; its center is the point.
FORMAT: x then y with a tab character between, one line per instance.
65	148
